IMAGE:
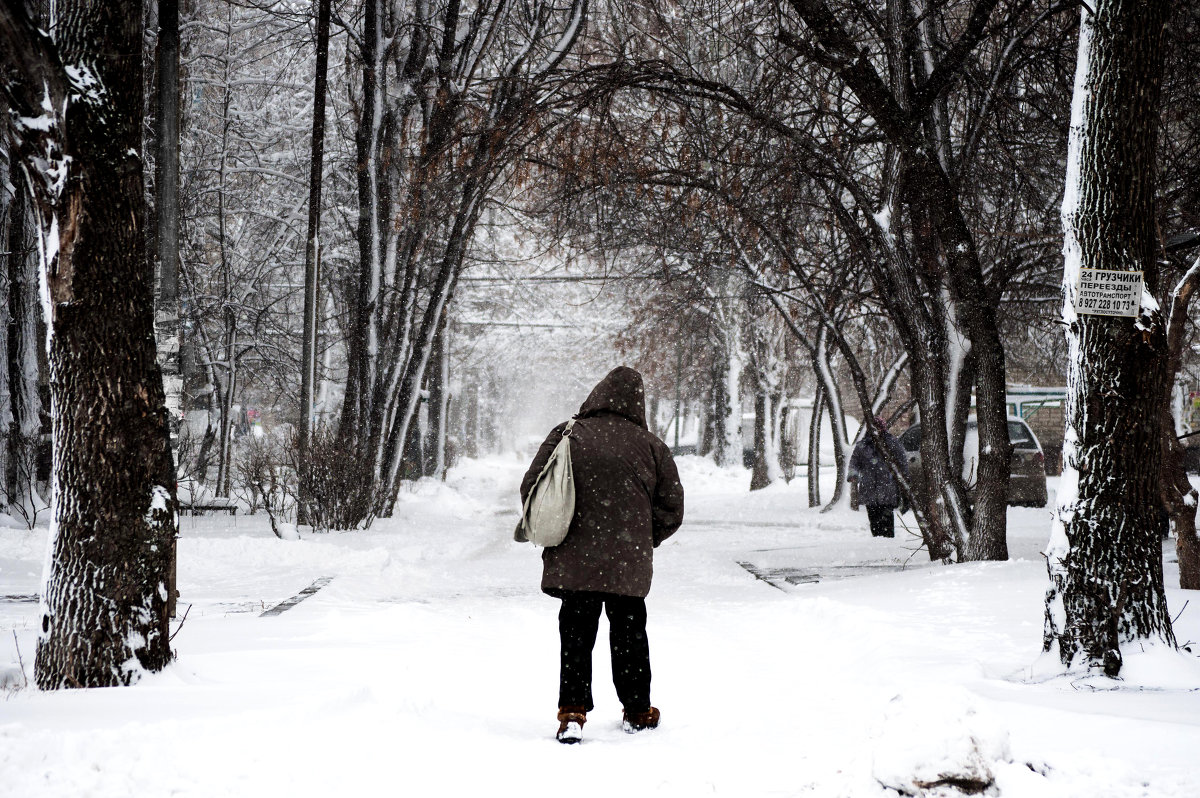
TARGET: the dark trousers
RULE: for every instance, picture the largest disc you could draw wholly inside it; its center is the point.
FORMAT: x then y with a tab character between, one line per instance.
883	523
578	621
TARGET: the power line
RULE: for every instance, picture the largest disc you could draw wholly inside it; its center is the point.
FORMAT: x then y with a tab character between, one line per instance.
464	323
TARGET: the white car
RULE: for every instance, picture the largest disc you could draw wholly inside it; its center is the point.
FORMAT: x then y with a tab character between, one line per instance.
1027	467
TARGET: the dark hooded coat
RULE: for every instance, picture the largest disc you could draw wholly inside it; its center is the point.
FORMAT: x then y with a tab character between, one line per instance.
876	484
628	498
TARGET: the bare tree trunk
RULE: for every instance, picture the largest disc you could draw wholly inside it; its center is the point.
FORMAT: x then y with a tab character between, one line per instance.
1179	497
711	423
837	415
942	503
439	403
104	608
960	380
762	409
1105	554
312	264
362	356
768	367
776	467
211	428
26	344
814	447
472	444
989	534
225	442
166	203
728	450
166	213
7	197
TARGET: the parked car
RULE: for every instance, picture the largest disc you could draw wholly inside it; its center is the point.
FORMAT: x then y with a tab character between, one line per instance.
1027	466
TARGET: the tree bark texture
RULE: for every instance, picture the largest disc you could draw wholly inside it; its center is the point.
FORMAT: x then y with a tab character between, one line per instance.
166	204
823	368
768	368
105	596
758	471
976	306
814	447
166	218
26	342
312	261
7	197
1179	496
435	450
1105	554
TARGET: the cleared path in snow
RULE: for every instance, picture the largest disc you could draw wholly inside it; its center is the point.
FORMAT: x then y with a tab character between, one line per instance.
427	666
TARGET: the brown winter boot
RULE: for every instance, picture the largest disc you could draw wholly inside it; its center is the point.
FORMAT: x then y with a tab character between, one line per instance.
570	724
634	722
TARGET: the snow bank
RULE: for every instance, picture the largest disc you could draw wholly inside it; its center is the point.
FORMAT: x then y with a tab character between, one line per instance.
938	742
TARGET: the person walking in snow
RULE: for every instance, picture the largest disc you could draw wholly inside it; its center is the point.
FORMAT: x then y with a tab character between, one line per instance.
877	487
628	500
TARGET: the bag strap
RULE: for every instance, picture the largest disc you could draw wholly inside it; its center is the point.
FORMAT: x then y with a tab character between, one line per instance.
566	433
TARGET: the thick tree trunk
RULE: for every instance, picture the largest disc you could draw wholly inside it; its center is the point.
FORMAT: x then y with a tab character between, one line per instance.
989	533
975	302
363	344
1105	553
105	596
943	505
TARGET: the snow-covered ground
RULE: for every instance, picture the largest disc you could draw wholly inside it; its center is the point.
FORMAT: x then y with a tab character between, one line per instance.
427	666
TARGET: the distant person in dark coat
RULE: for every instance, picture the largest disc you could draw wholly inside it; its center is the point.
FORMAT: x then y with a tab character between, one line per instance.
877	488
628	500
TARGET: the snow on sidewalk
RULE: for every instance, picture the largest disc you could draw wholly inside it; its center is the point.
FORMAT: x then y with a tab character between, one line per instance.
427	665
